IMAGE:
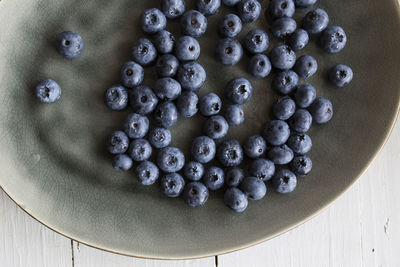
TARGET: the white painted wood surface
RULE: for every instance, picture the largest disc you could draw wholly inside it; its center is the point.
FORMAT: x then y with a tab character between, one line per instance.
360	229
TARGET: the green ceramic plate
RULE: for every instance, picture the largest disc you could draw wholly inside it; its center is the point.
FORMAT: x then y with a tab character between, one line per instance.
55	166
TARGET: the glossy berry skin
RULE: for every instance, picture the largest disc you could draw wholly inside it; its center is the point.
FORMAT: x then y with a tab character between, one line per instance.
187	104
301	121
164	41
143	100
262	168
208	7
321	110
116	97
153	20
234	176
213	178
173	8
281	8
166	114
305	94
300	143
210	104
283	27
140	150
285	82
256	41
69	44
48	91
231	3
253	188
187	48
304	3
172	184
276	132
280	155
215	127
193	23
228	51
131	74
167	89
259	66
249	10
284	108
234	115
203	149
284	181
170	159
230	153
333	39
159	137
298	39
316	21
191	76
254	146
238	91
167	66
195	194
136	125
235	199
193	170
340	75
147	173
306	66
301	165
282	57
122	162
229	25
144	52
117	142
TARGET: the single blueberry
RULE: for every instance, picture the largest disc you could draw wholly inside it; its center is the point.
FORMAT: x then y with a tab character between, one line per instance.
253	188
203	149
167	66
117	142
281	8
193	23
213	178
122	162
172	184
193	170
143	100
216	127
173	8
340	75
144	52
283	27
304	3
48	91
228	51
284	108
256	41
254	146
301	165
282	57
131	74
147	173
280	155
301	121
235	199
305	94
69	44
164	41
136	126
195	194
333	39
140	150
316	21
210	104
234	115
167	89
166	114
229	25
284	181
285	82
262	168
187	104
191	76
170	159
249	10
187	48
238	91
259	66
208	7
230	153
298	39
276	132
306	66
234	176
116	97
231	2
159	137
300	143
153	20
321	110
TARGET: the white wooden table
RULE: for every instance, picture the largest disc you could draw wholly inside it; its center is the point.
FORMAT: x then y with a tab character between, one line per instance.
362	228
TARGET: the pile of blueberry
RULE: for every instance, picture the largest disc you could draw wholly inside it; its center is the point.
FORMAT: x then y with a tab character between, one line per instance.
278	154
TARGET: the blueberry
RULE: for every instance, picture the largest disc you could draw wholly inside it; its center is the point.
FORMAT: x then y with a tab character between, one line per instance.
208	7
69	44
301	165
193	23
159	137
167	89
239	91
285	82
280	155
170	159
249	10
203	149
48	91
173	8
315	21
234	176
210	104
140	150
164	41
283	57
122	162
284	108
234	115
305	94
136	126
191	76
193	170
215	127
144	52
304	3
254	146
116	97
256	41
300	121
298	39
284	181
306	66
143	100
259	66
276	132
187	104
167	66
300	143
262	168
131	74
117	142
333	39
321	110
153	20
281	8
195	194
172	184
230	25
187	48
228	51
230	153
147	173
214	178
231	2
166	114
253	188
283	27
341	75
235	199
